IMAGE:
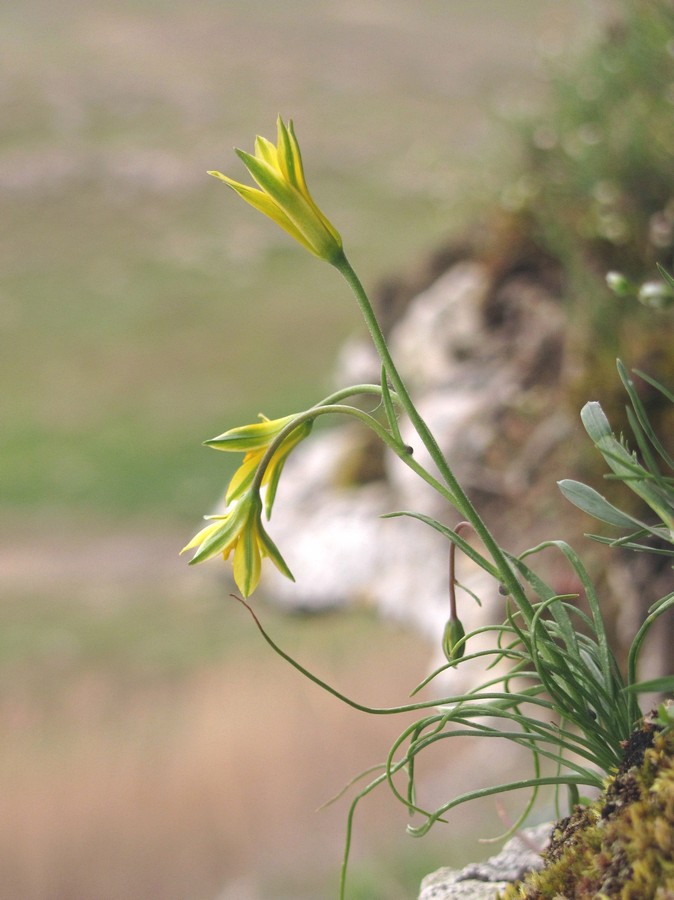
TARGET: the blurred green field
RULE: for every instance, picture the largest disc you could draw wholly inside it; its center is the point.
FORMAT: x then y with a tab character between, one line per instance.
144	309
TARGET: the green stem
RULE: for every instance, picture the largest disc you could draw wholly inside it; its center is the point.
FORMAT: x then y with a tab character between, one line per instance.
458	497
452	571
328	408
350	391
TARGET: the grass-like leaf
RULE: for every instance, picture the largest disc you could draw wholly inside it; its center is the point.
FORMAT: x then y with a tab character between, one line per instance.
595	505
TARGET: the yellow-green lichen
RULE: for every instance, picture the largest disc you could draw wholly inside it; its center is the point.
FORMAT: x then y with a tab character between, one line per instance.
621	847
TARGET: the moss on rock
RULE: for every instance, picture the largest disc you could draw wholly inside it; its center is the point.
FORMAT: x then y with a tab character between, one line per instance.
621	847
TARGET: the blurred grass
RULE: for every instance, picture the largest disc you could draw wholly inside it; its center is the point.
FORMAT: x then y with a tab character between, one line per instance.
142	310
138	765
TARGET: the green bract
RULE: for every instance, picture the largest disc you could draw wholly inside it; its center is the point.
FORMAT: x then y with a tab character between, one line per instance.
284	195
245	438
254	441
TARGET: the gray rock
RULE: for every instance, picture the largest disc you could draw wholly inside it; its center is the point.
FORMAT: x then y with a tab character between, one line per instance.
482	881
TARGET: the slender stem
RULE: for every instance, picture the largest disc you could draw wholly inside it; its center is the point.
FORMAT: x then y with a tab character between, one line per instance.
350	391
420	426
325	408
452	571
458	496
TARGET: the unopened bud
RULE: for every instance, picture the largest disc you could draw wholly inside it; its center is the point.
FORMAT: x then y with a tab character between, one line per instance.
453	645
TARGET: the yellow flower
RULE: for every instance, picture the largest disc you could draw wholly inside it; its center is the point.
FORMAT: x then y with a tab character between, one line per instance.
239	531
254	440
284	195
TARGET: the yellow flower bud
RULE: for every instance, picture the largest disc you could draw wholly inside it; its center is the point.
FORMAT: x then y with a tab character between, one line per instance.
284	196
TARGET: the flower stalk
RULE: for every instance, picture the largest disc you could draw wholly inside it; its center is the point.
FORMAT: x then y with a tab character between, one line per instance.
454	491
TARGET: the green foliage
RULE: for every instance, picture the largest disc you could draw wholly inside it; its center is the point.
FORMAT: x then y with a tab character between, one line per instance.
596	190
599	163
645	479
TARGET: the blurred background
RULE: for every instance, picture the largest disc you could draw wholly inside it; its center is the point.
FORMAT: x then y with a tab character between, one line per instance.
153	747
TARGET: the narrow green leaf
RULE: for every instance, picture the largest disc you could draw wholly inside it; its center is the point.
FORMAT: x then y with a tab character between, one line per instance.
624	464
460	542
661	685
656	384
626	543
663	604
641	414
666	276
592	502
